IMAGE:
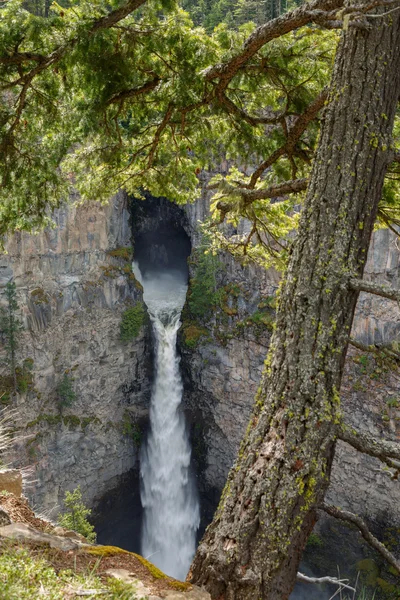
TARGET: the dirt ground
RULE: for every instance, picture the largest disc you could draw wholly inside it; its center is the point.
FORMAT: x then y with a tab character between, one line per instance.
91	558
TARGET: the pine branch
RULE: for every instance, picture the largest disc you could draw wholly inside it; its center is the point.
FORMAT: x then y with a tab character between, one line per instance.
54	57
293	136
20	58
125	94
316	12
349	517
385	291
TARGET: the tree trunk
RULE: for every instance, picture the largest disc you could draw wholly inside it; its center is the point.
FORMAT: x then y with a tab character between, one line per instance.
252	548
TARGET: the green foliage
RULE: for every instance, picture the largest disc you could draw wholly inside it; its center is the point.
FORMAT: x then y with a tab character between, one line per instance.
131	322
71	421
23	379
314	540
192	334
131	429
393	402
76	516
39	296
233	13
130	107
124	252
66	395
204	293
26	575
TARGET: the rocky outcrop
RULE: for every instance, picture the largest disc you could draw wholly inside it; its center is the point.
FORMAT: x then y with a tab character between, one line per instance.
82	391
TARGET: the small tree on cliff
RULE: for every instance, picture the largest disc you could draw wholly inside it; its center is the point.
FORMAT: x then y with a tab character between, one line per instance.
10	326
156	111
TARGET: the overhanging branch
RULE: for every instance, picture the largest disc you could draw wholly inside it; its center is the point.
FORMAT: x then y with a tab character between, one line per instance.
310	12
382	449
274	191
349	517
125	94
385	291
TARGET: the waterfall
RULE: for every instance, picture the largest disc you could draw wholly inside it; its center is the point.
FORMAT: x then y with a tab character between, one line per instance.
168	494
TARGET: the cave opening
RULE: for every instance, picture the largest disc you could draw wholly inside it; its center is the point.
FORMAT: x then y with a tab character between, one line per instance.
162	246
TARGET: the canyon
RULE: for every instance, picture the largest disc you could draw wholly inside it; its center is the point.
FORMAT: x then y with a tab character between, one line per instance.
74	285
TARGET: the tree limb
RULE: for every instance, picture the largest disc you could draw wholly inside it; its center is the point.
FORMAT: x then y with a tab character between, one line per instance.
310	12
376	348
124	95
339	582
294	134
26	80
21	57
385	291
349	517
158	134
382	449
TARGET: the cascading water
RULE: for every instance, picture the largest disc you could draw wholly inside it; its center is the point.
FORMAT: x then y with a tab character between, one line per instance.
168	494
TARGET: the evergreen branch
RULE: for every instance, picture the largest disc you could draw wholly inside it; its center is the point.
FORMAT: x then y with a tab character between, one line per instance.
385	291
20	58
116	15
274	191
124	95
317	12
252	120
26	80
349	517
293	136
158	134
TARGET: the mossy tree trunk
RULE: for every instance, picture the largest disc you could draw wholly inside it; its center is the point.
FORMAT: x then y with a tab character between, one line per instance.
253	547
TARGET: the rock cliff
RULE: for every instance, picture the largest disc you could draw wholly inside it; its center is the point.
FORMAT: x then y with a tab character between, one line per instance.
74	283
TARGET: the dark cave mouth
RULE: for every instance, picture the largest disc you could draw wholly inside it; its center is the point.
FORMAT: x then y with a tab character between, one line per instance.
160	236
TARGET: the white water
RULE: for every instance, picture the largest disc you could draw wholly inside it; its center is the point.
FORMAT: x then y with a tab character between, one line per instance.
169	499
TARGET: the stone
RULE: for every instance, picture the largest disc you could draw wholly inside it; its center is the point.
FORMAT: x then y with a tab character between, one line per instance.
124	575
22	532
11	481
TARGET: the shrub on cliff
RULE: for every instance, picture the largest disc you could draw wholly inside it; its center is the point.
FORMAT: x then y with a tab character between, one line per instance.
131	322
76	516
204	292
65	392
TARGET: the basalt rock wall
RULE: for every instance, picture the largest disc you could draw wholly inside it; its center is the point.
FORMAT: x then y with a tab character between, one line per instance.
74	283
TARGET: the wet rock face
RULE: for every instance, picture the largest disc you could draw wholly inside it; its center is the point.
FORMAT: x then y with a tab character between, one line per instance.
72	291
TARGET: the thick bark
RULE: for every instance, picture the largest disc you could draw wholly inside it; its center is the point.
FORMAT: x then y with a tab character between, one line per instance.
252	548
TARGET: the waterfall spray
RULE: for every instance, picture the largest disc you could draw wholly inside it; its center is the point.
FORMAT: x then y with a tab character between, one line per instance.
168	494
